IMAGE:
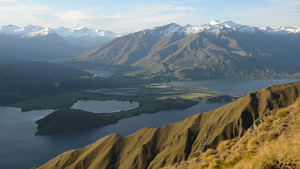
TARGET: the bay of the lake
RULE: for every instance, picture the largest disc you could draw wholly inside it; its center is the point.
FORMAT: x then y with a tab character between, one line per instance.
21	149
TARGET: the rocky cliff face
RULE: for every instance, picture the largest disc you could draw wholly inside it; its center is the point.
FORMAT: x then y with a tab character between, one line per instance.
170	144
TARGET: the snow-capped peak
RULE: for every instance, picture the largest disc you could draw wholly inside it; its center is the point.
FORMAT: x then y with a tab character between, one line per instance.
32	28
8	29
42	32
219	26
78	36
288	29
20	31
215	22
216	27
225	24
82	31
79	27
166	29
29	31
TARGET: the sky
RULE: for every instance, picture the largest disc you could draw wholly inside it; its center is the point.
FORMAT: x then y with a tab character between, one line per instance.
132	15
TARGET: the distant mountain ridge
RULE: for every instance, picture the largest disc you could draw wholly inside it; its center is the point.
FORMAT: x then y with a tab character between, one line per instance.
82	32
216	27
216	50
33	42
82	36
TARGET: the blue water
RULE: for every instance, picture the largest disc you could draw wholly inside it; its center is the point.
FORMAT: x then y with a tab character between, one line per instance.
233	86
21	149
107	106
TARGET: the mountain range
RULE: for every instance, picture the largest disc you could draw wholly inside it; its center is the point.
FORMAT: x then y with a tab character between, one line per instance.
78	36
219	49
216	50
33	42
175	143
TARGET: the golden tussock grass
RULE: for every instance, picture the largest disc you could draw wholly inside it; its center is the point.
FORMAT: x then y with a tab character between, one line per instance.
274	144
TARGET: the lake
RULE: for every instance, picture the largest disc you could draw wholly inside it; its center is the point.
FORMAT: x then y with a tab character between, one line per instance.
21	149
107	106
233	86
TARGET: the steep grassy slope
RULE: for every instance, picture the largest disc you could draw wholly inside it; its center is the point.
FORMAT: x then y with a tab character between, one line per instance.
274	142
170	144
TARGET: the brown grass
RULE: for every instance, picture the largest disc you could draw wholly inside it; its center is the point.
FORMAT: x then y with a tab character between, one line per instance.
275	144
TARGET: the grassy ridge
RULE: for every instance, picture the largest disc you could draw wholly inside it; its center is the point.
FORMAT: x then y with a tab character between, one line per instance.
273	143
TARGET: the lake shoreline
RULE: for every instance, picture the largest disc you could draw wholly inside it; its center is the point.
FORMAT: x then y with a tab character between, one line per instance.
17	128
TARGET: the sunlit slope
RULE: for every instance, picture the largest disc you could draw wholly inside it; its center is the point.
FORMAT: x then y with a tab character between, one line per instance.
274	142
170	144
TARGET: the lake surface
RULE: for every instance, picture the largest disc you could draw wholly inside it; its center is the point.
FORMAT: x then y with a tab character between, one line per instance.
107	106
21	149
233	86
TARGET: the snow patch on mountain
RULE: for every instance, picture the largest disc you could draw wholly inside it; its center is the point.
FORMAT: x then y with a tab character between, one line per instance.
83	34
164	30
216	27
20	31
40	33
78	36
35	30
82	31
287	29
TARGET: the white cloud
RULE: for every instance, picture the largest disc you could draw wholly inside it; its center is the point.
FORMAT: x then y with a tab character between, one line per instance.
71	16
129	18
21	14
143	17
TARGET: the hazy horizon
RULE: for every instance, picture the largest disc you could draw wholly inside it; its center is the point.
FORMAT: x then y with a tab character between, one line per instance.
127	16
